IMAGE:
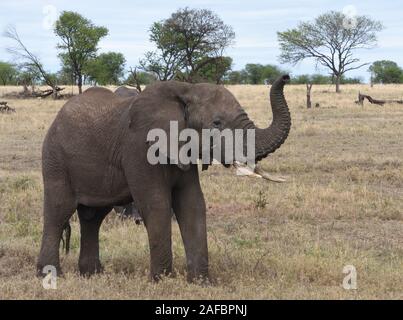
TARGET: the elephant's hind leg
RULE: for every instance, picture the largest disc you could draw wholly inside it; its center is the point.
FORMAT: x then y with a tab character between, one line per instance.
59	206
90	223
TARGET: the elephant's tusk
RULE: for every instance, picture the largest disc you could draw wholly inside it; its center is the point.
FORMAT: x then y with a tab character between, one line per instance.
245	170
257	172
268	176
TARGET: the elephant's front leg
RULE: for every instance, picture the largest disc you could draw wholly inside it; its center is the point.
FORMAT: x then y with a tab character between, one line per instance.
190	211
151	192
157	220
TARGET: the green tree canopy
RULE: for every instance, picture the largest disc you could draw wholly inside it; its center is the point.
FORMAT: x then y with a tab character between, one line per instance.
261	74
8	73
386	71
237	77
79	42
321	79
215	70
186	42
107	68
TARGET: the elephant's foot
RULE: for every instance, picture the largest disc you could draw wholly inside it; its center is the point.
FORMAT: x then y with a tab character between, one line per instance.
89	267
158	274
199	277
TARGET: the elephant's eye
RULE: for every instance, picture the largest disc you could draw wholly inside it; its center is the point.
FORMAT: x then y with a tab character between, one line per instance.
217	124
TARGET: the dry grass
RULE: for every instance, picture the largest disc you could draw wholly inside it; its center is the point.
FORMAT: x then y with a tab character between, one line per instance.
342	205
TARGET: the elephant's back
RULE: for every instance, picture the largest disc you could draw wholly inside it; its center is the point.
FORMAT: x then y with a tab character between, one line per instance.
87	123
94	105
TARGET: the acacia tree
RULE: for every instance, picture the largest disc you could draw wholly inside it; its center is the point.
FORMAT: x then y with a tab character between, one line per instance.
187	41
331	40
79	42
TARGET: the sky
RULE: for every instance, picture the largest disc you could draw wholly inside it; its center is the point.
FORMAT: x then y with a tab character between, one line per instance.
255	23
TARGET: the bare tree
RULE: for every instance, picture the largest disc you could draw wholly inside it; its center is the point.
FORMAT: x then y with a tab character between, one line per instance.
331	40
30	61
165	64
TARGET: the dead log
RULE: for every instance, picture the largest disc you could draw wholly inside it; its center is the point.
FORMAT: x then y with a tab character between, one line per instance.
4	108
362	97
46	93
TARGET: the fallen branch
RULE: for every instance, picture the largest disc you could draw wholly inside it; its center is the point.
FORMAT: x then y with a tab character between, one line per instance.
46	93
362	97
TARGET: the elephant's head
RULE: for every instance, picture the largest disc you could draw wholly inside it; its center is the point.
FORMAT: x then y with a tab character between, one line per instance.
208	106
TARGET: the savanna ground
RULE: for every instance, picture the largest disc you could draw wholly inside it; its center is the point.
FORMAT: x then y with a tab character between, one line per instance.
341	205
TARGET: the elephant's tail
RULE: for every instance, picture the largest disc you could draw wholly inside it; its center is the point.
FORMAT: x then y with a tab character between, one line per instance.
67	235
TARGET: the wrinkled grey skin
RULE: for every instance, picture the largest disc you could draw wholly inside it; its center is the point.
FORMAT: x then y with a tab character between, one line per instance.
125	92
95	157
128	210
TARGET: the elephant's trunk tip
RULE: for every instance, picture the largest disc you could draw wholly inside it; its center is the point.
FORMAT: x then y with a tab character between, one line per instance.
286	77
280	83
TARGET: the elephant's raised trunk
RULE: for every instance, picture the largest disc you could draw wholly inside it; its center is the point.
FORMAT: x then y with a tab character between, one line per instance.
271	138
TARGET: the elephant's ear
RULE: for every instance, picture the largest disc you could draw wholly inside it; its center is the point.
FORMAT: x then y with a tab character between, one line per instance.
155	110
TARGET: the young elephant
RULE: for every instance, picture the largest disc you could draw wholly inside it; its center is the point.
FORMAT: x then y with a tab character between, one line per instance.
95	157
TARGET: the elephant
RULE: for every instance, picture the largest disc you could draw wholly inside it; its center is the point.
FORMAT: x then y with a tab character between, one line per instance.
94	157
125	92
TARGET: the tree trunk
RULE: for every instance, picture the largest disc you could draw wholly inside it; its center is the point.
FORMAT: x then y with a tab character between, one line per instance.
26	91
338	83
80	83
308	95
55	93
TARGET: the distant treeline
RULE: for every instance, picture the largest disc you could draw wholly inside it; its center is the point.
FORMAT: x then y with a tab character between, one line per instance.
105	74
108	70
266	74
